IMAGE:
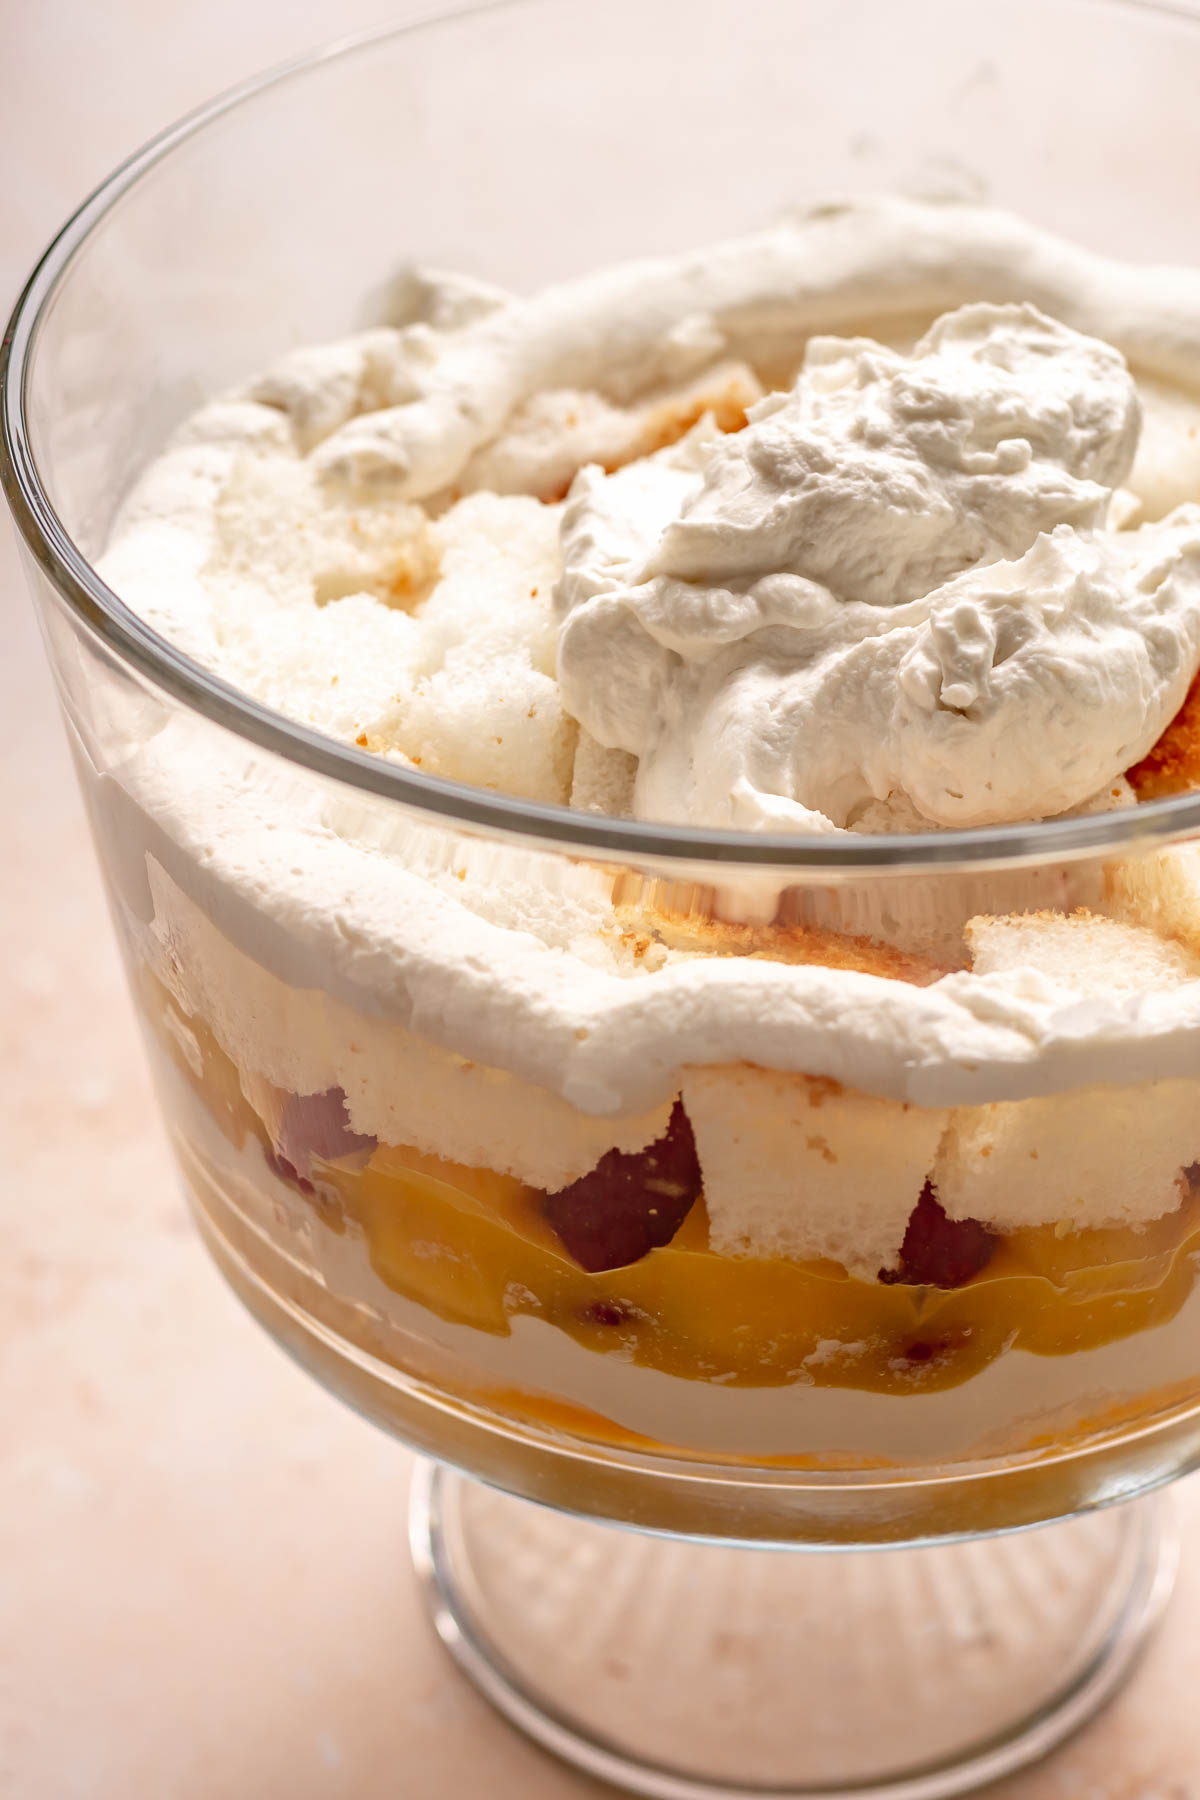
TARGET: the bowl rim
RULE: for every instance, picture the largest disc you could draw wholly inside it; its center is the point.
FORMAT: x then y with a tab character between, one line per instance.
155	659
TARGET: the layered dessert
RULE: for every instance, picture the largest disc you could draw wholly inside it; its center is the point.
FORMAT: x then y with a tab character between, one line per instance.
878	526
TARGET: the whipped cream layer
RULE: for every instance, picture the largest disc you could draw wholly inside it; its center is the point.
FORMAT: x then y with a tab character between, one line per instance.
345	538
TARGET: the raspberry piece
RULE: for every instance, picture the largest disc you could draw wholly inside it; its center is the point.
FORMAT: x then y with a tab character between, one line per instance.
940	1252
928	1350
631	1202
315	1125
286	1171
606	1312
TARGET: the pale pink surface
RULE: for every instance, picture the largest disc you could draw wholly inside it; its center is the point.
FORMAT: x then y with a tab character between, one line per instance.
203	1582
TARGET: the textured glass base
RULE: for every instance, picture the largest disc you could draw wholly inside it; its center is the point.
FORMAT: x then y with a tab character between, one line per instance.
696	1671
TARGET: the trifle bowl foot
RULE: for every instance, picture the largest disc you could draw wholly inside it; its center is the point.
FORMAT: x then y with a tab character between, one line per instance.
691	1670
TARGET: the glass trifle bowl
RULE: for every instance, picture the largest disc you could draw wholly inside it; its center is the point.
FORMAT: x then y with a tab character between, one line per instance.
757	1189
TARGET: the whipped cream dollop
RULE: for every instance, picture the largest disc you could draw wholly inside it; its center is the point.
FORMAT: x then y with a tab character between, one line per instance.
897	585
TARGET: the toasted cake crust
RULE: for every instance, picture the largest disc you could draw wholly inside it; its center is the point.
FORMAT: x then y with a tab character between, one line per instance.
702	933
1173	765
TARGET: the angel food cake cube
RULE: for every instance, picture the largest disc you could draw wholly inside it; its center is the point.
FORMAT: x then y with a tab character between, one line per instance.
1161	892
1095	1156
1100	1156
802	1168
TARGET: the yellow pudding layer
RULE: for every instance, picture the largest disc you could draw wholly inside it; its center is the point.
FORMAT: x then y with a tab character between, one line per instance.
472	1246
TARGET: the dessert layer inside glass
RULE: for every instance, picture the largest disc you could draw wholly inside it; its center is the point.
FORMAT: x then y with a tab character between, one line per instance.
636	1278
657	544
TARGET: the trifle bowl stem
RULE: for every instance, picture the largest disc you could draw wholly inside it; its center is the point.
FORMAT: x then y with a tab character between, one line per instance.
685	1669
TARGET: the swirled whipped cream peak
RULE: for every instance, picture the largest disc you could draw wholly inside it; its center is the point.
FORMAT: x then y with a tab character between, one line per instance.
897	585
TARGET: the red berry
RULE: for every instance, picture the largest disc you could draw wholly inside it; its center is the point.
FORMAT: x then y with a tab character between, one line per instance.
606	1312
286	1171
938	1251
631	1202
315	1125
